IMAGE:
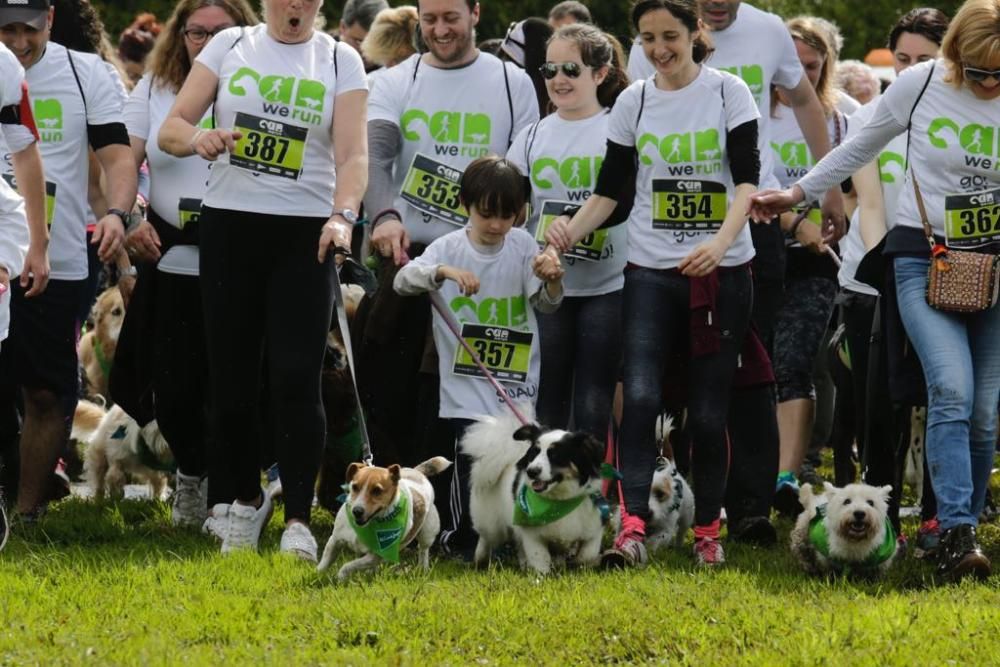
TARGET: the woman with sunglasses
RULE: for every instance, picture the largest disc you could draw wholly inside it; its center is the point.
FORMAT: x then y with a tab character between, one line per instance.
290	164
948	109
167	315
560	155
687	294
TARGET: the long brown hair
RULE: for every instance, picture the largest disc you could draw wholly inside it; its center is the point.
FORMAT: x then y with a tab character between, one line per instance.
168	62
814	35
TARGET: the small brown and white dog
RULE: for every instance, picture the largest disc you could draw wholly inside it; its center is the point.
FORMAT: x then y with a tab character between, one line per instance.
97	347
845	530
118	449
386	510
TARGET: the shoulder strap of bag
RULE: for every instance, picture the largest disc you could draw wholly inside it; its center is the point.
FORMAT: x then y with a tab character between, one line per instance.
928	232
909	121
79	86
642	103
510	104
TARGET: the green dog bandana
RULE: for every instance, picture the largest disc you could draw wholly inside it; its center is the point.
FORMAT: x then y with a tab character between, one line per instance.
383	535
531	509
820	539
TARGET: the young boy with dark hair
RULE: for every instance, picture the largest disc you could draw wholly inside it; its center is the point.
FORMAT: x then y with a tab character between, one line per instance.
492	277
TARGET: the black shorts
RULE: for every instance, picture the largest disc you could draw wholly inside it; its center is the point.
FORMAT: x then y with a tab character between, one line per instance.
41	348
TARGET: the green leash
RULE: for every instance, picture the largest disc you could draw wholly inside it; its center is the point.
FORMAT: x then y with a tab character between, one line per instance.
102	361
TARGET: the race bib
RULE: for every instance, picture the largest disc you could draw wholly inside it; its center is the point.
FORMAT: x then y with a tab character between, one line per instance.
590	248
188	211
688	206
815	215
972	220
268	146
50	197
432	187
505	352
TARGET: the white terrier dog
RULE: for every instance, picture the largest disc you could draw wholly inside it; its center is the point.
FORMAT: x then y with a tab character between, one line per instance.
845	530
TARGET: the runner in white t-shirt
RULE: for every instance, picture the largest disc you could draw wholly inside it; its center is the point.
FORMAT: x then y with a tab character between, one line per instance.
561	155
167	316
944	107
288	170
77	106
687	287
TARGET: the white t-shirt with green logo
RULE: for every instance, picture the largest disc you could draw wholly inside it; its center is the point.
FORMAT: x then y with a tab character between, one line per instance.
892	172
176	185
758	48
281	97
562	159
496	321
62	117
450	117
13	228
683	185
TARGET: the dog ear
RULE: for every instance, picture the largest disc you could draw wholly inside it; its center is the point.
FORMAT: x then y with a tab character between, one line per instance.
805	494
528	433
352	470
394	472
829	489
587	454
885	491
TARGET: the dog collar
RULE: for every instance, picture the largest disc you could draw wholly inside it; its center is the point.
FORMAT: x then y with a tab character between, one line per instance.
531	509
383	535
820	539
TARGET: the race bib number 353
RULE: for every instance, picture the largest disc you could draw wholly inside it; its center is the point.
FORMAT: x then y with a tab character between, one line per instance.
505	352
269	146
972	220
432	187
688	206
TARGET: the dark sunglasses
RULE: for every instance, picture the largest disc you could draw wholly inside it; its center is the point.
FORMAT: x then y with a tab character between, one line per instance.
549	70
979	75
199	35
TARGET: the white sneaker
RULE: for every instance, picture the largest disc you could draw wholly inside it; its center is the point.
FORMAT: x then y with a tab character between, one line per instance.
246	524
189	507
298	540
217	522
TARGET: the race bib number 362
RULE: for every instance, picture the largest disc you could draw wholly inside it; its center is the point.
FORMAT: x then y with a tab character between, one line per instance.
432	187
269	146
505	352
688	206
972	220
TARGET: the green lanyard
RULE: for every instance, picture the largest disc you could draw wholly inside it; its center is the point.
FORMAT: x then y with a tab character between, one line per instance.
383	535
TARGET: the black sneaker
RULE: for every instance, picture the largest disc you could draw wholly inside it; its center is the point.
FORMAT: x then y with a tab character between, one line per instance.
755	530
960	554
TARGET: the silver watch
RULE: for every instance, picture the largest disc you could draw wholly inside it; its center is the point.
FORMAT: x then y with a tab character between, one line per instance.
347	214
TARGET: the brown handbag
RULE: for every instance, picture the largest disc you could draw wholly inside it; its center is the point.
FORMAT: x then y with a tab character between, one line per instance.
958	281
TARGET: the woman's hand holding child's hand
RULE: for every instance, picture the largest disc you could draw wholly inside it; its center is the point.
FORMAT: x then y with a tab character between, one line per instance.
547	265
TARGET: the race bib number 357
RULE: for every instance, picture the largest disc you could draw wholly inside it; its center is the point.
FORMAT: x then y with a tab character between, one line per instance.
688	206
505	352
269	146
972	220
432	187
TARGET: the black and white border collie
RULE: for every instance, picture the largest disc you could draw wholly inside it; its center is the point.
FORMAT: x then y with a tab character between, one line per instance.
557	465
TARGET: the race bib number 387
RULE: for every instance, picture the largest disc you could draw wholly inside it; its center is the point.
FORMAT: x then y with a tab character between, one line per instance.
972	220
505	352
432	187
269	146
688	206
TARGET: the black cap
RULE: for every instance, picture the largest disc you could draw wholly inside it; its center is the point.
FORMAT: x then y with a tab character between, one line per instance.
30	12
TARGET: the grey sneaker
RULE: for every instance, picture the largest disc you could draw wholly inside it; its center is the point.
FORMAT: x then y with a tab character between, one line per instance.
298	540
246	524
217	522
189	503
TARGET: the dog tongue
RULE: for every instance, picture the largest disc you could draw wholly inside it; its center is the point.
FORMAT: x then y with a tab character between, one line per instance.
538	486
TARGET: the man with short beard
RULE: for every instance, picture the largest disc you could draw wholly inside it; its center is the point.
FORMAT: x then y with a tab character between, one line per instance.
429	117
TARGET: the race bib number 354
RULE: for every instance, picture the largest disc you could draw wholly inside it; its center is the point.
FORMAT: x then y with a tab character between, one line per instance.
688	206
972	220
432	187
505	352
269	146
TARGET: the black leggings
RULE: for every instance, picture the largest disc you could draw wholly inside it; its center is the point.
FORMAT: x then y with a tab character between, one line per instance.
798	332
657	313
581	349
266	300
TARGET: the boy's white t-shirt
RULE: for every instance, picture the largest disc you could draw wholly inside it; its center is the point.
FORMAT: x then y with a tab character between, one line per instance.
176	185
562	158
756	47
503	304
281	97
892	173
684	155
447	117
62	116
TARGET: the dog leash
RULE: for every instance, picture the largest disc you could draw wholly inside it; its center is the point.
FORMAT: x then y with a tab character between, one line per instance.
345	334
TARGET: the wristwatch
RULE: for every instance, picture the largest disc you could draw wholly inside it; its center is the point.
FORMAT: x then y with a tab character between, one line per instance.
346	214
122	215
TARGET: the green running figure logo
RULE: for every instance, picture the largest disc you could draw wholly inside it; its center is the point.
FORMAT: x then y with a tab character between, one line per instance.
285	96
49	118
453	133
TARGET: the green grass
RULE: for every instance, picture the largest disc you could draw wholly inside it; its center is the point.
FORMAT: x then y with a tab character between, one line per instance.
115	584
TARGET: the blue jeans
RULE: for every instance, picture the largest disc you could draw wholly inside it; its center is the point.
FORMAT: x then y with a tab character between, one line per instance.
961	359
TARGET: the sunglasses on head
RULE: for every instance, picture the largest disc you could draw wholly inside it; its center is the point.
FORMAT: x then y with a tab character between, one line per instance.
979	75
549	70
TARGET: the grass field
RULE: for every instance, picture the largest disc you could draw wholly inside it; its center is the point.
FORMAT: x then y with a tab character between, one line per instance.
116	584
